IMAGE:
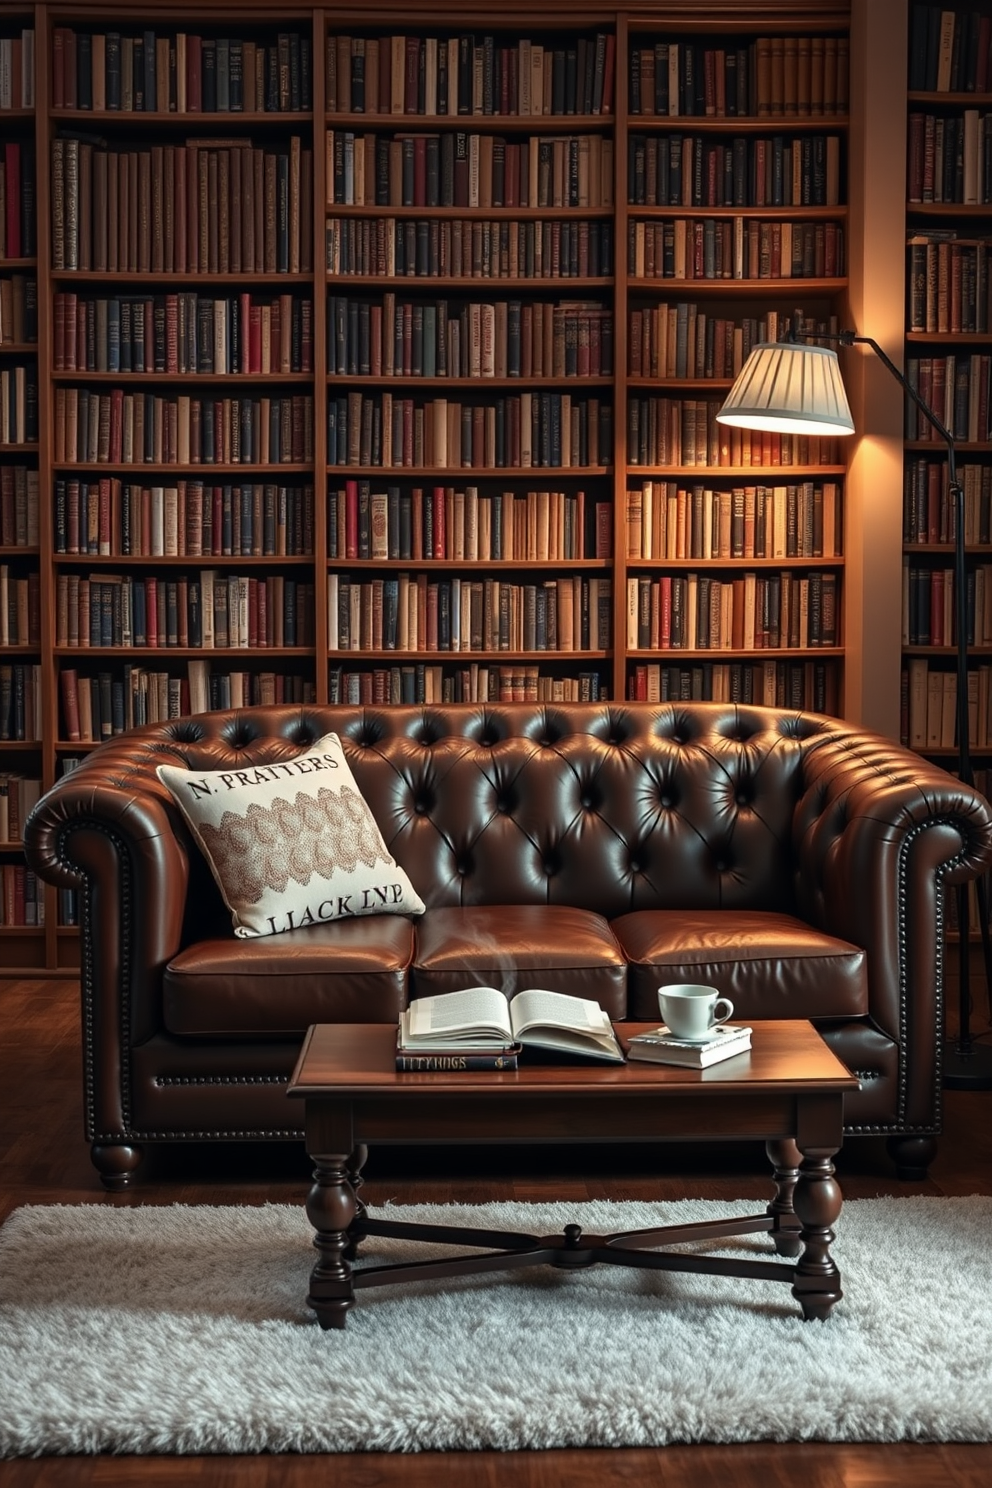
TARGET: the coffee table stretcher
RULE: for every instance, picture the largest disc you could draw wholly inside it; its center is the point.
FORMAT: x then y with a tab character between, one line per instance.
799	1219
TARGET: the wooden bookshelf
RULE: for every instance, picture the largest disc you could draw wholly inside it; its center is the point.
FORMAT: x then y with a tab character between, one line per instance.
446	277
949	359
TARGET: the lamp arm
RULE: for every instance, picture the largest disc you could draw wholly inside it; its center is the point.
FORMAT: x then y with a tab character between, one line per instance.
848	338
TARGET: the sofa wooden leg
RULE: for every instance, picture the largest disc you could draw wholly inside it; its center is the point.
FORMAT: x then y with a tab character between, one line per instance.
912	1156
116	1164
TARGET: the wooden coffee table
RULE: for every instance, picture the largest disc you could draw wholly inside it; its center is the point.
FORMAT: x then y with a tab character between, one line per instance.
788	1091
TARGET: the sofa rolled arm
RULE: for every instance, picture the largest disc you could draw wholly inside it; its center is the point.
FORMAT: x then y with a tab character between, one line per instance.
879	834
114	841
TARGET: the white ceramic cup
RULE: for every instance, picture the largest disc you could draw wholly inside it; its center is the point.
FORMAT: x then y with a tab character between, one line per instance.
691	1011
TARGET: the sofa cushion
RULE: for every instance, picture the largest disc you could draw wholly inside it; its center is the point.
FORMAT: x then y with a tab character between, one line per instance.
352	971
514	946
770	965
291	844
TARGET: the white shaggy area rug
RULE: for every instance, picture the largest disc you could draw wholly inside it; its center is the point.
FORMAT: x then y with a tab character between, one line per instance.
184	1329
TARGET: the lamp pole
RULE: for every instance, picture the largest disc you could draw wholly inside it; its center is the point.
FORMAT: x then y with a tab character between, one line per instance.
966	1065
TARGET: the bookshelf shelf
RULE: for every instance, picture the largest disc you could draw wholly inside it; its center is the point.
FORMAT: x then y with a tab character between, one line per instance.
763	289
182	562
193	122
764	214
489	655
150	467
157	653
181	379
539	284
149	276
476	214
477	123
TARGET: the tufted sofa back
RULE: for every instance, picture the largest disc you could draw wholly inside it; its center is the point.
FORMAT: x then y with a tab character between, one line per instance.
602	806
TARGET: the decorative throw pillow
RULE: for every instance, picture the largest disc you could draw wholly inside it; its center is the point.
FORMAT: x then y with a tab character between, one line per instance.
291	844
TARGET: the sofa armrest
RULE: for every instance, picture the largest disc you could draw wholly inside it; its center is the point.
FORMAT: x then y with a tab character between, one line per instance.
879	833
112	838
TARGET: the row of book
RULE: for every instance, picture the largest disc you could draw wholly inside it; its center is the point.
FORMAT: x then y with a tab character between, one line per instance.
521	431
459	169
469	74
735	248
770	76
468	338
118	427
956	388
423	682
751	611
412	612
928	605
19	506
189	519
928	705
20	701
192	208
18	238
949	49
684	431
17	70
949	158
211	611
665	520
466	248
18	309
18	795
22	899
781	170
949	288
97	706
182	72
687	340
183	332
19	404
20	607
929	513
774	684
445	523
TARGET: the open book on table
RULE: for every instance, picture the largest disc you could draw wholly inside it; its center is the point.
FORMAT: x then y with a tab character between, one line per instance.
484	1019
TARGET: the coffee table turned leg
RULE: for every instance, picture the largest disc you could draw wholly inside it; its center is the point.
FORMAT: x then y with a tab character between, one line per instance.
331	1207
356	1163
817	1201
785	1158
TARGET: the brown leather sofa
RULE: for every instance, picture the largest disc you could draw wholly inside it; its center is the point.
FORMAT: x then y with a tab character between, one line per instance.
794	861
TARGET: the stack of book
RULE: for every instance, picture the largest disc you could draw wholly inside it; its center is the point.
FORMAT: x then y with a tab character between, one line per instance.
480	1028
664	1047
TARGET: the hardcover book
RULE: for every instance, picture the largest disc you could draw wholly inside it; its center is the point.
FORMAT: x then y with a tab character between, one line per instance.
484	1020
663	1047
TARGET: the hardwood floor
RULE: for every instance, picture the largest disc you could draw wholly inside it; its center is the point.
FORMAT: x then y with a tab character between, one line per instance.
44	1159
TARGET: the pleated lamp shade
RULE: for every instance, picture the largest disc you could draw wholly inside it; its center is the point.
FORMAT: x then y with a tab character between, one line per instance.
789	389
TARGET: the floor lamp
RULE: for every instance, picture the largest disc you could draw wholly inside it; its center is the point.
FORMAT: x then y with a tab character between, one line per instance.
791	388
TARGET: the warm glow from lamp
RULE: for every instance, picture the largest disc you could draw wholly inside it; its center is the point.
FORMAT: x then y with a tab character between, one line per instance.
789	389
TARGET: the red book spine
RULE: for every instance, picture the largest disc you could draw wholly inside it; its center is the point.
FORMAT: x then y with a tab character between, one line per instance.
438	503
60	365
255	337
116	424
248	362
194	92
217	520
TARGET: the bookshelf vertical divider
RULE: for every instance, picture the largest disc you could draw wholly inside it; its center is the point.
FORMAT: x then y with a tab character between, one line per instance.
319	334
620	324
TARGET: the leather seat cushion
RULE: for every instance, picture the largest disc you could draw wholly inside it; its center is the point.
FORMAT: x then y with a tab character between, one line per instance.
350	971
515	946
770	965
